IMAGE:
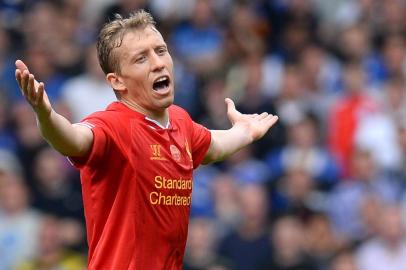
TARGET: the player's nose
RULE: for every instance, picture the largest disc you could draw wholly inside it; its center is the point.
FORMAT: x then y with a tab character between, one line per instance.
157	62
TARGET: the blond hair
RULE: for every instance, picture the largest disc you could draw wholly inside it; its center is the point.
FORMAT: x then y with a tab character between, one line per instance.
112	34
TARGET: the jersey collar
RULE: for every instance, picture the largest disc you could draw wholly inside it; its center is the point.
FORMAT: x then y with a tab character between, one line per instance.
118	106
158	124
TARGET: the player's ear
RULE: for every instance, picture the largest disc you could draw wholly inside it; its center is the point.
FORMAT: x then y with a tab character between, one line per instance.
115	82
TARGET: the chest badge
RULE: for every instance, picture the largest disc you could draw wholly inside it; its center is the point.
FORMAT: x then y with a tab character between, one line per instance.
175	152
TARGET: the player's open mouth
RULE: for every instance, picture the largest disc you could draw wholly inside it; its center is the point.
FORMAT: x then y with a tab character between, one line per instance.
161	83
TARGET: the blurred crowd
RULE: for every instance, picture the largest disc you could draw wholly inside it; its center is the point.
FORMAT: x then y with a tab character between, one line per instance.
325	189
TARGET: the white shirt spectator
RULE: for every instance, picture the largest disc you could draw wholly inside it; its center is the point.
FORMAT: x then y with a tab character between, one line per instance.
89	92
375	255
85	94
378	134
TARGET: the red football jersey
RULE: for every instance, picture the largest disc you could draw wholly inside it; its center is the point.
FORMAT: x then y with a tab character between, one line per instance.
136	185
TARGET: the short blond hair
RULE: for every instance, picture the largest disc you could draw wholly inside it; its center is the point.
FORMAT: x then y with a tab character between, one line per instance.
112	34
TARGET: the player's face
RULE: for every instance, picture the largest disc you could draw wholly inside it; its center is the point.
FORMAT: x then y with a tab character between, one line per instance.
147	69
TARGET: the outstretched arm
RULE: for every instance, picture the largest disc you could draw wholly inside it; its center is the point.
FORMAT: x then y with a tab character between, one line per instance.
68	139
246	129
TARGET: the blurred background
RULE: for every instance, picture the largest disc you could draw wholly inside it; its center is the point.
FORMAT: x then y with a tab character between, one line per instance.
323	190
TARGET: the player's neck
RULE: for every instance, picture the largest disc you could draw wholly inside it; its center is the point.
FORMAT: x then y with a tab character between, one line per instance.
162	117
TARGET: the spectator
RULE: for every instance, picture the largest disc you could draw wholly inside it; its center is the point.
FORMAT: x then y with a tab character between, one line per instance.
199	40
52	254
88	92
226	207
56	189
320	242
366	183
201	247
344	260
288	246
247	169
248	246
347	112
388	249
7	140
19	223
304	150
294	194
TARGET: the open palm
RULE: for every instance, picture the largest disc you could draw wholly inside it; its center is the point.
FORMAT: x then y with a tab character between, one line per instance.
255	124
32	90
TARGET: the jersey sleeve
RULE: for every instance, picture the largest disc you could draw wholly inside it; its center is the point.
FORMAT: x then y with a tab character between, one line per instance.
201	139
99	145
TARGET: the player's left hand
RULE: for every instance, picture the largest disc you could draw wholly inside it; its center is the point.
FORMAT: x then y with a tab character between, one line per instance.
256	125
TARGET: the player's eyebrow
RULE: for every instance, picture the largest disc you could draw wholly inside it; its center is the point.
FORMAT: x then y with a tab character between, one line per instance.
133	56
161	45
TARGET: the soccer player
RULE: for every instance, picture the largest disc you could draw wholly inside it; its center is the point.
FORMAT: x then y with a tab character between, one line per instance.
136	158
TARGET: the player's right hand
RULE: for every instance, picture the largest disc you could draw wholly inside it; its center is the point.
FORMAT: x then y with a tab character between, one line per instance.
32	90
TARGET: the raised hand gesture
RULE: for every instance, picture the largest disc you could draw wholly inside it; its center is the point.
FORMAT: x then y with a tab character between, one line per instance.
256	125
32	90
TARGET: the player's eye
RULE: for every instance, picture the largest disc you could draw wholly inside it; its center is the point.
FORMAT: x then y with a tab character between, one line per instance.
162	50
141	59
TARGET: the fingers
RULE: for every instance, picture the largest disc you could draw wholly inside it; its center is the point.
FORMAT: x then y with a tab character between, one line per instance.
258	117
40	93
267	120
262	116
24	82
30	88
18	77
230	105
232	113
22	76
21	65
270	120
